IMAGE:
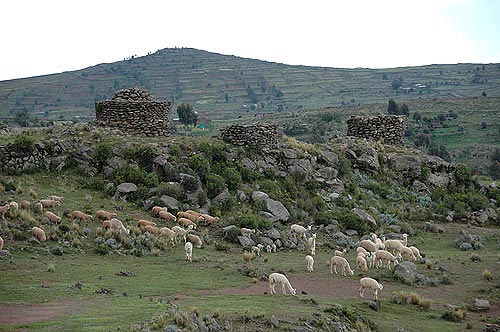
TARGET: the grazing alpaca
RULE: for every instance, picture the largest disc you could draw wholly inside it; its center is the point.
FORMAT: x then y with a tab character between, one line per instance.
278	278
370	283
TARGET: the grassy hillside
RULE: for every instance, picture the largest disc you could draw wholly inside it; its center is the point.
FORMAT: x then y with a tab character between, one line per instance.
222	86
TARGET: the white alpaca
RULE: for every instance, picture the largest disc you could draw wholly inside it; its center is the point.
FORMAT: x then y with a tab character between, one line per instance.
188	248
343	263
312	244
340	253
278	278
361	263
300	230
310	263
370	283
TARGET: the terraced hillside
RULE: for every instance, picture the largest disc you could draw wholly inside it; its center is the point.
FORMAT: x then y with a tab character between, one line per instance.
223	87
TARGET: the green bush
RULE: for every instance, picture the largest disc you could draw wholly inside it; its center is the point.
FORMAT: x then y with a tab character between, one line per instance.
230	175
23	144
253	221
200	164
102	153
143	155
215	185
56	250
189	183
171	190
349	220
463	175
102	249
248	175
344	167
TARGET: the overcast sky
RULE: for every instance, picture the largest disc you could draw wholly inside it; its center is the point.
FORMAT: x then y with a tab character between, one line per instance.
50	36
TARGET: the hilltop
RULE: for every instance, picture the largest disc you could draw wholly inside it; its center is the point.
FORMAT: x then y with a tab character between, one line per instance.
224	86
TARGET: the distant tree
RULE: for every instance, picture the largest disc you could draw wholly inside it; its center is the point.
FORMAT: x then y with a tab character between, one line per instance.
396	84
384	77
187	116
226	97
417	116
494	168
441	117
251	95
393	107
483	125
484	94
422	140
404	110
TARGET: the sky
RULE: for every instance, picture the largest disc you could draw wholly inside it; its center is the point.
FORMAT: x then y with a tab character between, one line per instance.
53	36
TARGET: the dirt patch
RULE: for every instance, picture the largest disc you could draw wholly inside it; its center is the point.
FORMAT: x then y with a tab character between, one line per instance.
22	314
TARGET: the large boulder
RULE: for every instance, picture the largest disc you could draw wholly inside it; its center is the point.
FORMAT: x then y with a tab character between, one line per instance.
170	202
246	241
364	215
277	209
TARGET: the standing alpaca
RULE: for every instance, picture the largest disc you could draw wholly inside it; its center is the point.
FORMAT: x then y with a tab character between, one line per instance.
312	244
372	284
188	248
278	278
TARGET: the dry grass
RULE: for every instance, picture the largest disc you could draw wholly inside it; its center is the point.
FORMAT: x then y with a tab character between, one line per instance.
487	275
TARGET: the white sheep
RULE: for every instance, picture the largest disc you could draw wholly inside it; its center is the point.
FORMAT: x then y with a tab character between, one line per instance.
38	207
155	210
247	232
14	205
269	249
340	253
278	278
384	255
300	230
117	225
4	209
373	284
188	248
257	249
343	263
180	232
57	198
312	243
408	253
310	263
169	233
194	239
39	234
52	218
416	252
369	245
363	250
273	247
394	245
361	262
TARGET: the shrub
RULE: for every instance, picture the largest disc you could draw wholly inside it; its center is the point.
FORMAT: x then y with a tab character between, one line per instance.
232	234
143	155
349	220
215	185
248	256
23	144
102	153
199	164
253	221
56	250
487	275
102	249
221	246
455	316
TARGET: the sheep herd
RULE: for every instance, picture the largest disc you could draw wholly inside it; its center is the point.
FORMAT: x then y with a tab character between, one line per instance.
374	252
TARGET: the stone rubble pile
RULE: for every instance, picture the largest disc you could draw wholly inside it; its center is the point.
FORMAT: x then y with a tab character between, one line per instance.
259	135
389	128
134	111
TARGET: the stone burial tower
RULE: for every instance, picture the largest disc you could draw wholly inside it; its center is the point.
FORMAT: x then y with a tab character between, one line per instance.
134	111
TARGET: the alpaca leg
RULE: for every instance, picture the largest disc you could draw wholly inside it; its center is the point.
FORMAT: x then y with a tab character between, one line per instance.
362	291
283	288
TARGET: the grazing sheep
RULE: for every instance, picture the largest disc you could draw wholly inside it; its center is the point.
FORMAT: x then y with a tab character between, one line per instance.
340	253
393	245
117	225
209	219
384	255
39	234
25	204
105	224
4	209
416	252
1	243
343	263
247	232
179	231
188	248
361	263
300	230
52	218
152	229
170	234
194	239
369	245
373	284
363	250
56	198
310	263
156	210
278	278
167	216
38	207
105	215
143	223
184	222
312	243
80	216
408	253
49	203
14	205
196	218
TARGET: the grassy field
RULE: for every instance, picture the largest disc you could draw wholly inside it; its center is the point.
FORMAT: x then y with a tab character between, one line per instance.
215	283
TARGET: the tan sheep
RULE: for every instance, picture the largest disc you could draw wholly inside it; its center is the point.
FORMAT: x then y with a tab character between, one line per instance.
49	203
170	234
361	263
184	222
408	253
416	252
382	256
39	234
278	278
167	216
80	216
117	225
104	215
38	207
373	284
340	253
143	223
363	250
152	229
106	224
196	218
194	239
14	206
343	263
25	204
369	245
394	245
156	210
56	198
52	218
4	209
1	243
209	220
310	263
188	249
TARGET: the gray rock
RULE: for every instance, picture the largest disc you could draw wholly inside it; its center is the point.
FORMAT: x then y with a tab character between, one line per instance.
126	188
290	153
329	158
481	305
4	254
241	196
267	215
274	234
170	202
406	272
245	241
277	209
248	163
465	246
265	240
364	215
223	196
331	228
259	196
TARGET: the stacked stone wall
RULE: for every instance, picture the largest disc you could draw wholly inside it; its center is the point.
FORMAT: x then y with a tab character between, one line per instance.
260	135
390	128
134	111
